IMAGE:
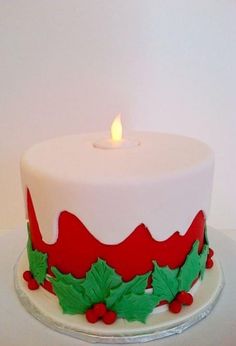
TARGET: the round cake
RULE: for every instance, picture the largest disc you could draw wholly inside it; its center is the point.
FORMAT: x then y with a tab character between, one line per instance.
117	233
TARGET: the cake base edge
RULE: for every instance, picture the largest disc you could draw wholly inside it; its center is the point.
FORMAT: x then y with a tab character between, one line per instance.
45	308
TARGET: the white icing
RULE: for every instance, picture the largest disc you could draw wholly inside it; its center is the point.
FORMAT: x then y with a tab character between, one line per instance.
162	183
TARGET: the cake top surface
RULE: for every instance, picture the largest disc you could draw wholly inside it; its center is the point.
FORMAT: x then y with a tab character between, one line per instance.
75	158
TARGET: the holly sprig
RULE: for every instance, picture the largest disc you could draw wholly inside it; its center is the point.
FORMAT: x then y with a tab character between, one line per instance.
167	283
129	300
102	284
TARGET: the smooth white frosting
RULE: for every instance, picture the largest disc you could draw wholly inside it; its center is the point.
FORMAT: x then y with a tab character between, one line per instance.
162	183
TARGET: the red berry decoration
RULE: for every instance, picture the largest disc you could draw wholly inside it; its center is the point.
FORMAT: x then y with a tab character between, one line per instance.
181	297
109	317
99	309
48	286
209	263
184	298
27	275
210	253
175	306
33	285
91	316
188	299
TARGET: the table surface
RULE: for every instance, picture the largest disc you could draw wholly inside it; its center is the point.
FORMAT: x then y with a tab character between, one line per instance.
18	327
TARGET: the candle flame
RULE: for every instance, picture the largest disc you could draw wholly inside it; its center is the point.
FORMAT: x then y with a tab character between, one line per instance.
116	129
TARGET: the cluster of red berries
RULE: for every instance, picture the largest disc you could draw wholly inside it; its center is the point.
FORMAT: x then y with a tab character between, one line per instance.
209	262
182	298
99	311
32	283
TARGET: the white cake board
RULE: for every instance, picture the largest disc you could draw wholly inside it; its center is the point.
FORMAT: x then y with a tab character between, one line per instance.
44	306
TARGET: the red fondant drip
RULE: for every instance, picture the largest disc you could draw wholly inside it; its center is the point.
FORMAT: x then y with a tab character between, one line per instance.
76	248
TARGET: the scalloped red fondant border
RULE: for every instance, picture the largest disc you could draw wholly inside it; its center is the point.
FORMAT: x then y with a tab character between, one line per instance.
76	249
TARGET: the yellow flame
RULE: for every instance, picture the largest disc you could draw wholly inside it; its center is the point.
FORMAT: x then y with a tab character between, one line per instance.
116	129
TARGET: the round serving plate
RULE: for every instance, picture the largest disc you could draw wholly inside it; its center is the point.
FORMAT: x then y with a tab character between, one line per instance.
44	306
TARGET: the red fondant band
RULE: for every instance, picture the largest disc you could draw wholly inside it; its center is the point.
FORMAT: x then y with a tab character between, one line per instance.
76	249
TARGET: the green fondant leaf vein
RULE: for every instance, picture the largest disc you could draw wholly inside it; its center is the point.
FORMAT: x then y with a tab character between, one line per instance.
190	269
164	282
37	262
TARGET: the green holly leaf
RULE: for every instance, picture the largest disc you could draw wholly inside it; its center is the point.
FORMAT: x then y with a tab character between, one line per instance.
67	278
100	279
203	259
190	269
165	283
37	262
135	307
72	301
135	286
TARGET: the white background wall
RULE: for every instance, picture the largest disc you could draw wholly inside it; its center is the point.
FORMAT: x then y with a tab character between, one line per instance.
69	66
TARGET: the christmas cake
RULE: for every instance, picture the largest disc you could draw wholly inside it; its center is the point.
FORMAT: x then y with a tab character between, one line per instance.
116	236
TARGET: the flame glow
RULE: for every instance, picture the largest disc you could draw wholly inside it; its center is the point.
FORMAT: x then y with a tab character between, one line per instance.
116	129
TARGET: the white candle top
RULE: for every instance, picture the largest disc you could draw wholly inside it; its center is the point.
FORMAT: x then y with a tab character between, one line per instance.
163	183
158	156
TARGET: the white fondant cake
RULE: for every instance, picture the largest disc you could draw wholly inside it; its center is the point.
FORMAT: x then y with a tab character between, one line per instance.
117	231
162	183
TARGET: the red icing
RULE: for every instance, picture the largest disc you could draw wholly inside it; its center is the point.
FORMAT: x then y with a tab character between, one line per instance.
99	309
33	285
76	248
109	317
211	253
184	298
91	316
175	307
209	263
27	275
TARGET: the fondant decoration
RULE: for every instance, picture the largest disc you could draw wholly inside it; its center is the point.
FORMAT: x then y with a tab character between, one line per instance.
203	259
135	307
99	281
135	286
100	186
139	249
109	317
184	298
99	309
103	285
33	285
27	275
165	283
70	293
175	306
37	263
85	249
191	268
103	290
211	253
209	262
91	316
206	294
